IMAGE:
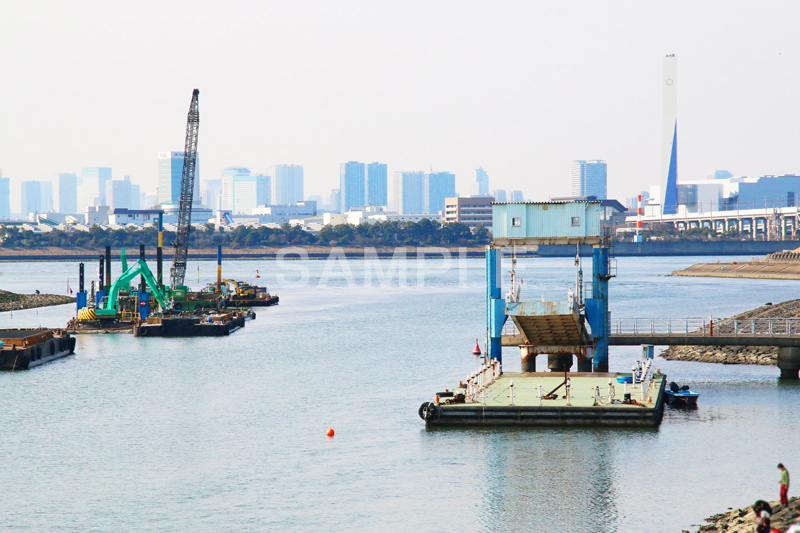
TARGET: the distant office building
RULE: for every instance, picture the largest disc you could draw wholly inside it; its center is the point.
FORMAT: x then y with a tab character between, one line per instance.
589	178
482	181
409	192
67	193
136	196
118	193
150	199
377	185
139	217
515	196
210	191
31	198
280	214
438	186
96	215
352	184
669	137
335	200
5	198
500	196
242	192
47	196
170	174
92	187
287	184
721	175
469	210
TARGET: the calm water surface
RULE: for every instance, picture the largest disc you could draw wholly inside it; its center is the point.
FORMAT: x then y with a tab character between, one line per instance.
228	434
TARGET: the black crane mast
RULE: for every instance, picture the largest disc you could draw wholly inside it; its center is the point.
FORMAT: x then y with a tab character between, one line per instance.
178	270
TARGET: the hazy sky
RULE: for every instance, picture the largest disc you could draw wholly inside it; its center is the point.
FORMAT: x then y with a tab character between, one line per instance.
520	88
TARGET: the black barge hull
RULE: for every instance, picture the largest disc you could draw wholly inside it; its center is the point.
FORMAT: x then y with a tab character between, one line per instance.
36	351
188	327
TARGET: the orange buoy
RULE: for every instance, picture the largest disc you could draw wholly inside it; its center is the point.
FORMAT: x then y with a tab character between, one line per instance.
330	432
257	274
477	349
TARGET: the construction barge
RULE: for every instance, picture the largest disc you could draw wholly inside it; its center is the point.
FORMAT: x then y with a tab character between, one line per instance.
21	349
575	329
490	397
213	325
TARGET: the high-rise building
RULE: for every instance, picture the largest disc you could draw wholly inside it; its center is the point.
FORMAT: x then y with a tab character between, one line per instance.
515	196
136	197
409	192
170	173
589	178
669	137
482	179
243	192
118	193
47	196
500	196
210	191
352	185
287	184
92	187
438	187
67	195
5	197
335	200
31	198
377	185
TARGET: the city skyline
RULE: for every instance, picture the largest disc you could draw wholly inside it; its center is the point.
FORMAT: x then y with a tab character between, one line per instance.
524	124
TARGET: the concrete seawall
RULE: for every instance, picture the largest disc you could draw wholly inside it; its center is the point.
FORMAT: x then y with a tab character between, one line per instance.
660	248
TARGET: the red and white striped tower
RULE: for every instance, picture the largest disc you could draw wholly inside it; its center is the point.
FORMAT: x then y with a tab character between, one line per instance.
639	223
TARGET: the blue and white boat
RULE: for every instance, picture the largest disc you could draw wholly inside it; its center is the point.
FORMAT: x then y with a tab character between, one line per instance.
677	396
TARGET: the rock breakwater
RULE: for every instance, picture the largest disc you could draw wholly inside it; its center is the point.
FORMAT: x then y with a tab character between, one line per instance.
737	355
10	301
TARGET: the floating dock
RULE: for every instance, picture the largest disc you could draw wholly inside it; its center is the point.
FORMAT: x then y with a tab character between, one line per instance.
542	399
21	349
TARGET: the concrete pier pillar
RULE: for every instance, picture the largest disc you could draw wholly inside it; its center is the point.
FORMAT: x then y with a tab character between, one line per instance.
559	362
528	358
789	362
584	364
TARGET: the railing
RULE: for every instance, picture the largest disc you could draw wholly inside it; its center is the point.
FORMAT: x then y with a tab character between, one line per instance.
706	327
510	329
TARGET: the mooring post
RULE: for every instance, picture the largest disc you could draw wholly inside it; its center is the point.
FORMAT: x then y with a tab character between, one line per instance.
108	270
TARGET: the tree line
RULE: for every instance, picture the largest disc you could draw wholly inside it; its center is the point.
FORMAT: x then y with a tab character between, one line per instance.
423	233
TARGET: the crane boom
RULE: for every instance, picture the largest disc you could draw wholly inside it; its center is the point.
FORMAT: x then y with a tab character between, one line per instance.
178	270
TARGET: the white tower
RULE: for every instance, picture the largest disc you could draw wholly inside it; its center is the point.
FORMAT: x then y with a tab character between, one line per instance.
669	137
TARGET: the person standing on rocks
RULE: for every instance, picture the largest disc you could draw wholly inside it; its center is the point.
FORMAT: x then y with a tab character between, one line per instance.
784	484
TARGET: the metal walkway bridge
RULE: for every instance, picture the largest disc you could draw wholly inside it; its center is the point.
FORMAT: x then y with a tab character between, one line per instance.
691	331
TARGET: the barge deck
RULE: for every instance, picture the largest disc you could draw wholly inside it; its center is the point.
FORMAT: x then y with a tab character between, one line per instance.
594	398
21	349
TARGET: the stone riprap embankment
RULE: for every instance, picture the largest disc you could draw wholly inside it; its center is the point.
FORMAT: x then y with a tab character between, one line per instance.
10	301
737	355
743	520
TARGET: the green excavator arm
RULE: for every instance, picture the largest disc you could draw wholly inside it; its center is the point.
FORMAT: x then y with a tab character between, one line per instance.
140	268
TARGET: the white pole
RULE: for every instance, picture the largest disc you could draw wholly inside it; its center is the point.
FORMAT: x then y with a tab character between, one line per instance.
511	392
540	395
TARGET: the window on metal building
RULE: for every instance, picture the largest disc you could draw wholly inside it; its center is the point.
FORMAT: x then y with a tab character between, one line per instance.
516	222
576	221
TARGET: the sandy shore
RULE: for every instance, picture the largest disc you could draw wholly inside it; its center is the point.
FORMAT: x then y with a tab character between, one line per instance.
10	301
